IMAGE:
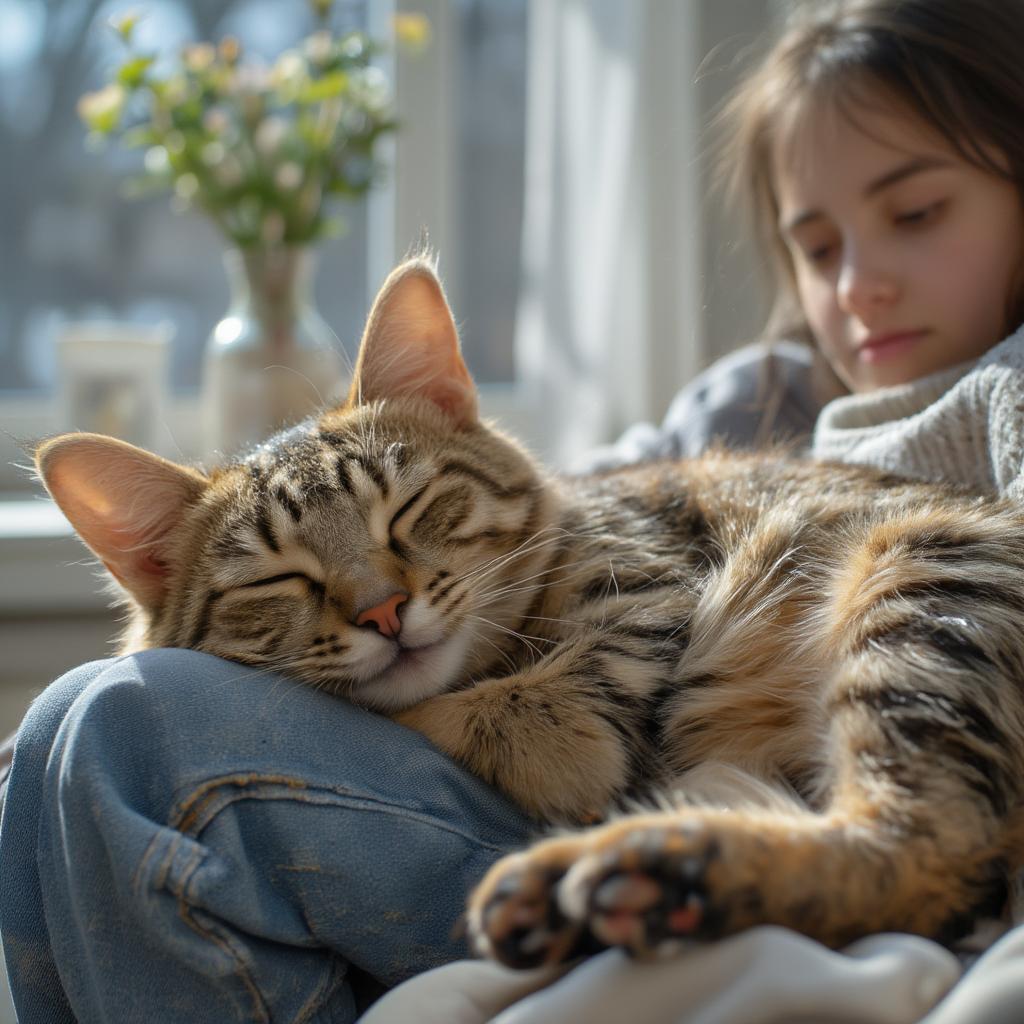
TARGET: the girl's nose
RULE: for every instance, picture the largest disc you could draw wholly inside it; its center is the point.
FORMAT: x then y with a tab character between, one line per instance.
864	286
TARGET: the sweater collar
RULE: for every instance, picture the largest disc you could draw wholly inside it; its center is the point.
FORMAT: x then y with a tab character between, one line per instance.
876	408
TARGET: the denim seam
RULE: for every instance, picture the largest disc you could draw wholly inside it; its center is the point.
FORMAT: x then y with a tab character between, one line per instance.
189	910
192	915
197	810
318	1000
192	814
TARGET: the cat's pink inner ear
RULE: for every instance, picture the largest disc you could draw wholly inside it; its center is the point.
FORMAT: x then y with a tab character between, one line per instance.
123	502
411	347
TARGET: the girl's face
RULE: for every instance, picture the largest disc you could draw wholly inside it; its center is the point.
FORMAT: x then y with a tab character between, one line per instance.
904	253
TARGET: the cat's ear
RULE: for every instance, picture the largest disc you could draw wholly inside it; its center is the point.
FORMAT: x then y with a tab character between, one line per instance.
124	503
411	347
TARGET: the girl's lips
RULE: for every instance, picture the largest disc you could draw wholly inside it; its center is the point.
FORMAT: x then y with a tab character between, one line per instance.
888	346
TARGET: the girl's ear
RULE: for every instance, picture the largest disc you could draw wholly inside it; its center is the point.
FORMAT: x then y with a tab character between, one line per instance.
124	503
411	348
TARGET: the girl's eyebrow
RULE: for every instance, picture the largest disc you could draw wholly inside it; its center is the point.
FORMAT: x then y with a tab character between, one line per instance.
900	173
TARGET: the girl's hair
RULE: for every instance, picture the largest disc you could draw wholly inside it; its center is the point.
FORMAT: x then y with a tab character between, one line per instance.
955	64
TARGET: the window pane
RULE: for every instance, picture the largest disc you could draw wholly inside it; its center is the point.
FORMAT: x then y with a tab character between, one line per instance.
491	101
74	247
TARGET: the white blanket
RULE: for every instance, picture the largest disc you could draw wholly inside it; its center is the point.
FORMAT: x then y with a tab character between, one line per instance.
767	975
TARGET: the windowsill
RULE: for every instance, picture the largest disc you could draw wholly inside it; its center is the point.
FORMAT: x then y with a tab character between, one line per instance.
45	569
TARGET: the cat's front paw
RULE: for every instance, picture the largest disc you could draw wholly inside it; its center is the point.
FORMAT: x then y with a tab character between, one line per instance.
644	887
514	915
642	884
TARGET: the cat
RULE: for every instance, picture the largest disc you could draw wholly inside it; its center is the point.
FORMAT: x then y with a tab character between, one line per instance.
579	642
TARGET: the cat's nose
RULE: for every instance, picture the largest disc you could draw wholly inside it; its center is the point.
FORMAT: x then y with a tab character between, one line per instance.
384	615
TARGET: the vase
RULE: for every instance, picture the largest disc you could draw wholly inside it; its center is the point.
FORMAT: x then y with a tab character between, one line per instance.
271	360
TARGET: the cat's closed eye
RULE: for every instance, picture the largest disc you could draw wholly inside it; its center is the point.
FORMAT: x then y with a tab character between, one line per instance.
281	577
315	586
405	508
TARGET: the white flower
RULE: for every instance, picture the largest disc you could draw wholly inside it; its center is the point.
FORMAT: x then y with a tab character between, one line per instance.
371	88
319	47
199	56
288	176
253	77
212	153
269	135
155	161
102	110
289	70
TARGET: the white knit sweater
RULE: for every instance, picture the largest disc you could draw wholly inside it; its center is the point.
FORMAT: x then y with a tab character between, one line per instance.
964	425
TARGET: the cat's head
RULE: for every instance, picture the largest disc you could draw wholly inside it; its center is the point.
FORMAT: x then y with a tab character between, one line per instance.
383	550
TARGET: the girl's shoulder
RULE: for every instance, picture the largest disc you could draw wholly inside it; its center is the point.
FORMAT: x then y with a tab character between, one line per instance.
760	394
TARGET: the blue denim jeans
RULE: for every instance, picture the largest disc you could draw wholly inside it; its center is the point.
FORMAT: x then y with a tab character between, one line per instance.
187	839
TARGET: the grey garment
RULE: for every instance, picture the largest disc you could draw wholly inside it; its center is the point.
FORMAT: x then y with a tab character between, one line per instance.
757	395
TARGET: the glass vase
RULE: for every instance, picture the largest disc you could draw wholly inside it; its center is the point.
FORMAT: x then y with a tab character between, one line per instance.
271	360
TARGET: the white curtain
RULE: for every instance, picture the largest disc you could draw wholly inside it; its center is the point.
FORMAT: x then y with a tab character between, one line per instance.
608	324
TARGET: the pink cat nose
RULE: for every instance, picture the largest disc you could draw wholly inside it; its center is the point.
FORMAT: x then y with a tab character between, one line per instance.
384	615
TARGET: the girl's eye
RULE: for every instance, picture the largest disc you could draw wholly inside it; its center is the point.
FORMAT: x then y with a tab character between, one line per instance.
920	215
820	254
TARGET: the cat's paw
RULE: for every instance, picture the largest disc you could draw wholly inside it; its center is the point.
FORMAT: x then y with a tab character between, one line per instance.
644	887
514	914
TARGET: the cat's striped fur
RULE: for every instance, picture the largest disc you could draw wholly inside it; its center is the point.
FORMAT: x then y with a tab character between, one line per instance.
852	636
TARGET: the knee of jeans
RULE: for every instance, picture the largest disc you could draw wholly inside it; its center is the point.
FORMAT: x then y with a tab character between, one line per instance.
142	716
178	686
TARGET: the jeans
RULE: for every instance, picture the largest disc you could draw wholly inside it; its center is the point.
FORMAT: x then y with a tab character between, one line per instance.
184	838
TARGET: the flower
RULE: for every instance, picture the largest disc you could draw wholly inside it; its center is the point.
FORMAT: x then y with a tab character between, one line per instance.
265	150
102	110
412	31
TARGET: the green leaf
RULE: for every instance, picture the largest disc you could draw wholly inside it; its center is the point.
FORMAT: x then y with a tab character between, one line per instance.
136	138
334	84
132	73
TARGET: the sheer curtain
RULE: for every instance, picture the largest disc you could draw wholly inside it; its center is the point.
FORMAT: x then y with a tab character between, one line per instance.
616	240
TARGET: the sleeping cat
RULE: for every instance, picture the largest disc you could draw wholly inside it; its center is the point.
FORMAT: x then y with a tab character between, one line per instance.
852	636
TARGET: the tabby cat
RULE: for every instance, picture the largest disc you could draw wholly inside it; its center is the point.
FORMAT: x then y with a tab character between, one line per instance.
852	636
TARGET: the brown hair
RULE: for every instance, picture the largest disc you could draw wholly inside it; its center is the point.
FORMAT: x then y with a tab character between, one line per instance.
955	64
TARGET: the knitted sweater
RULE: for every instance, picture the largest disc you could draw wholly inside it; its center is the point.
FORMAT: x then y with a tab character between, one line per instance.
964	425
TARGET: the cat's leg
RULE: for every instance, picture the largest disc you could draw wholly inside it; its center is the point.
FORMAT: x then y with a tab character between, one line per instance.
924	744
650	879
565	737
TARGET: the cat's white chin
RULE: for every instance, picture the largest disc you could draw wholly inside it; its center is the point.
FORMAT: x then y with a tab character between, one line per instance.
413	675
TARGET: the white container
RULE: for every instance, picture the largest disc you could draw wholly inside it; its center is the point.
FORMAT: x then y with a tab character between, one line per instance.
112	379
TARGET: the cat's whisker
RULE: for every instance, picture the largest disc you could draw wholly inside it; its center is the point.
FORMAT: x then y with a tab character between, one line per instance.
520	551
549	618
527	640
503	654
518	586
561	567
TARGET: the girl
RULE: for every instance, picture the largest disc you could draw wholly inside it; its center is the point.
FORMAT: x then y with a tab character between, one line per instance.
879	145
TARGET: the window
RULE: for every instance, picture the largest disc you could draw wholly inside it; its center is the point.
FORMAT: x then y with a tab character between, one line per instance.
77	249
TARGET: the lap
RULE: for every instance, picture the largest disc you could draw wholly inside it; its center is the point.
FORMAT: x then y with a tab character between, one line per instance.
241	825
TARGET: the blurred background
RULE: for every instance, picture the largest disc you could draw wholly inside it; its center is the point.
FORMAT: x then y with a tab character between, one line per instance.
554	151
